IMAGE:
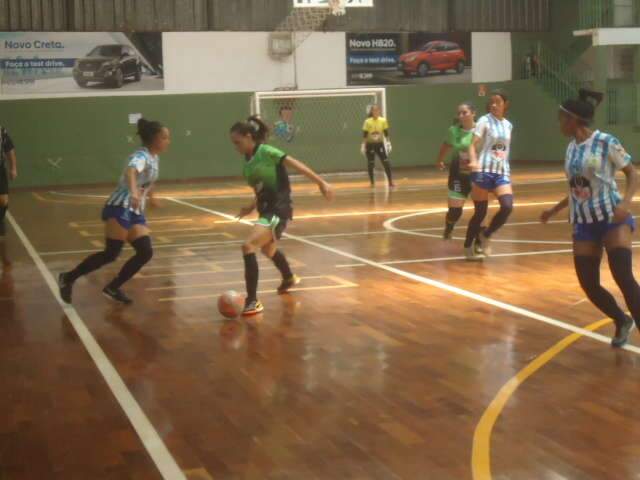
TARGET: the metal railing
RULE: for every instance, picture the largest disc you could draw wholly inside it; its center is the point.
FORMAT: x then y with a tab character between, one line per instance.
622	103
556	75
608	14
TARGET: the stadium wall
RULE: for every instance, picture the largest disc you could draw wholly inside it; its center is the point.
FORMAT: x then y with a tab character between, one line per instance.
67	141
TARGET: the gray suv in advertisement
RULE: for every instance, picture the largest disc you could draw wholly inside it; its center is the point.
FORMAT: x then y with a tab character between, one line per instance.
109	65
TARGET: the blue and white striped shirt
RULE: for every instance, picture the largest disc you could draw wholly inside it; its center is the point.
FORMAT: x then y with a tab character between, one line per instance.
494	155
591	168
147	169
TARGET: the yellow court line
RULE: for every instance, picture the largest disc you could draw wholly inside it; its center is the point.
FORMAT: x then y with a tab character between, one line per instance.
481	453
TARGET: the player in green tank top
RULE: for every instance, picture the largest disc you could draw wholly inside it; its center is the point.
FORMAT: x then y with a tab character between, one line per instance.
266	172
459	139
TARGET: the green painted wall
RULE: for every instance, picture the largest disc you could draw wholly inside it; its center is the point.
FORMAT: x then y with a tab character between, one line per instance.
92	136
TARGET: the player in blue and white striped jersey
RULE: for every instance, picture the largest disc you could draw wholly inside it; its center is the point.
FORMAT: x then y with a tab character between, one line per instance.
124	218
146	166
490	173
600	215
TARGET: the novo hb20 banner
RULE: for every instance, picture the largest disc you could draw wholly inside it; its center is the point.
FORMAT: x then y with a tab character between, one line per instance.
408	58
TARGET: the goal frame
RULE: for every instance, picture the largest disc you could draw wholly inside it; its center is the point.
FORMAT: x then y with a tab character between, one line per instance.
332	93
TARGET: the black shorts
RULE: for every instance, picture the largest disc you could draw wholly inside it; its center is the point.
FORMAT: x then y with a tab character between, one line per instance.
459	186
4	180
374	149
276	221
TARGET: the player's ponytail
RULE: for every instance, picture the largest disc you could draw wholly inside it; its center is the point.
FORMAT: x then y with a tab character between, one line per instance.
254	126
147	130
584	107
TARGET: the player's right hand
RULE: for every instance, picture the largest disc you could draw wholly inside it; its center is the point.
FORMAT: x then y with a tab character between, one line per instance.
441	165
135	202
546	215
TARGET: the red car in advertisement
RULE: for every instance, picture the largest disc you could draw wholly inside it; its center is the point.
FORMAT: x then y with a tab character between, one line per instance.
437	56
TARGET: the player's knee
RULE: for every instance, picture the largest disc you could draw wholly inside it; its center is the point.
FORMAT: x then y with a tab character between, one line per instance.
620	263
143	248
248	248
112	250
588	273
454	214
480	209
506	204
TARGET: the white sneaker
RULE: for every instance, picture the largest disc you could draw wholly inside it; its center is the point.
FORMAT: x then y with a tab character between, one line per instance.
472	256
484	244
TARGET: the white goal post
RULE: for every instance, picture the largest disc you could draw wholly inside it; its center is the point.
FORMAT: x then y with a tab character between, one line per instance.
321	127
378	94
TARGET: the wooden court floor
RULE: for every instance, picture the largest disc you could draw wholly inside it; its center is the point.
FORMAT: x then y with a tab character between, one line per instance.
395	359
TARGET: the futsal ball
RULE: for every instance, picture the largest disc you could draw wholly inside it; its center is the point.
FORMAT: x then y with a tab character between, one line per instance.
230	304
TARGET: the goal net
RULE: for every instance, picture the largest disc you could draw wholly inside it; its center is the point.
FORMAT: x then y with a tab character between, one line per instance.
323	128
306	17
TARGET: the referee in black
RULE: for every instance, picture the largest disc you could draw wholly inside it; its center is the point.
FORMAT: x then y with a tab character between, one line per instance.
8	172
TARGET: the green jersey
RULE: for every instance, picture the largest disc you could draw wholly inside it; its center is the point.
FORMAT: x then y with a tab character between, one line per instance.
267	175
460	140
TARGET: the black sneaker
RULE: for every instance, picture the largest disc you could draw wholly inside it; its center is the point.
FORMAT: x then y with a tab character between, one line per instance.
622	333
288	284
116	295
253	307
66	288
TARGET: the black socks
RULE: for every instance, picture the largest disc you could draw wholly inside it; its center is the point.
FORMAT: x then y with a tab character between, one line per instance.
476	222
251	274
96	261
281	263
144	253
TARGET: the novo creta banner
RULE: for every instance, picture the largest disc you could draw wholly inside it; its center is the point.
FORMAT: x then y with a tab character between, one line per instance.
100	63
408	58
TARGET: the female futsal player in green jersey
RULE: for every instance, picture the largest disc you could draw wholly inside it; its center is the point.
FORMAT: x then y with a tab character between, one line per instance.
266	172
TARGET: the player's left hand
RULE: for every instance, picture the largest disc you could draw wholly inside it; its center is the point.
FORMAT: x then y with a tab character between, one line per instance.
13	174
326	190
621	213
388	147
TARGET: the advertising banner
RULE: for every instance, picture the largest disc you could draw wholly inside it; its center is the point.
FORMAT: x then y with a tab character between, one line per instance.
100	63
408	58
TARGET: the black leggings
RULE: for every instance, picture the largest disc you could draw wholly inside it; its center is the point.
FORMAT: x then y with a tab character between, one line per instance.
620	263
373	149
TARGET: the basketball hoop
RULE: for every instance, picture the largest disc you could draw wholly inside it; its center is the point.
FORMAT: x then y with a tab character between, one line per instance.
338	7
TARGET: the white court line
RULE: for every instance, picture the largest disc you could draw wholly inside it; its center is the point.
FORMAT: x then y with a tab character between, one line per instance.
363	213
579	302
192	246
227	284
435	283
261	292
447	259
148	435
400	189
